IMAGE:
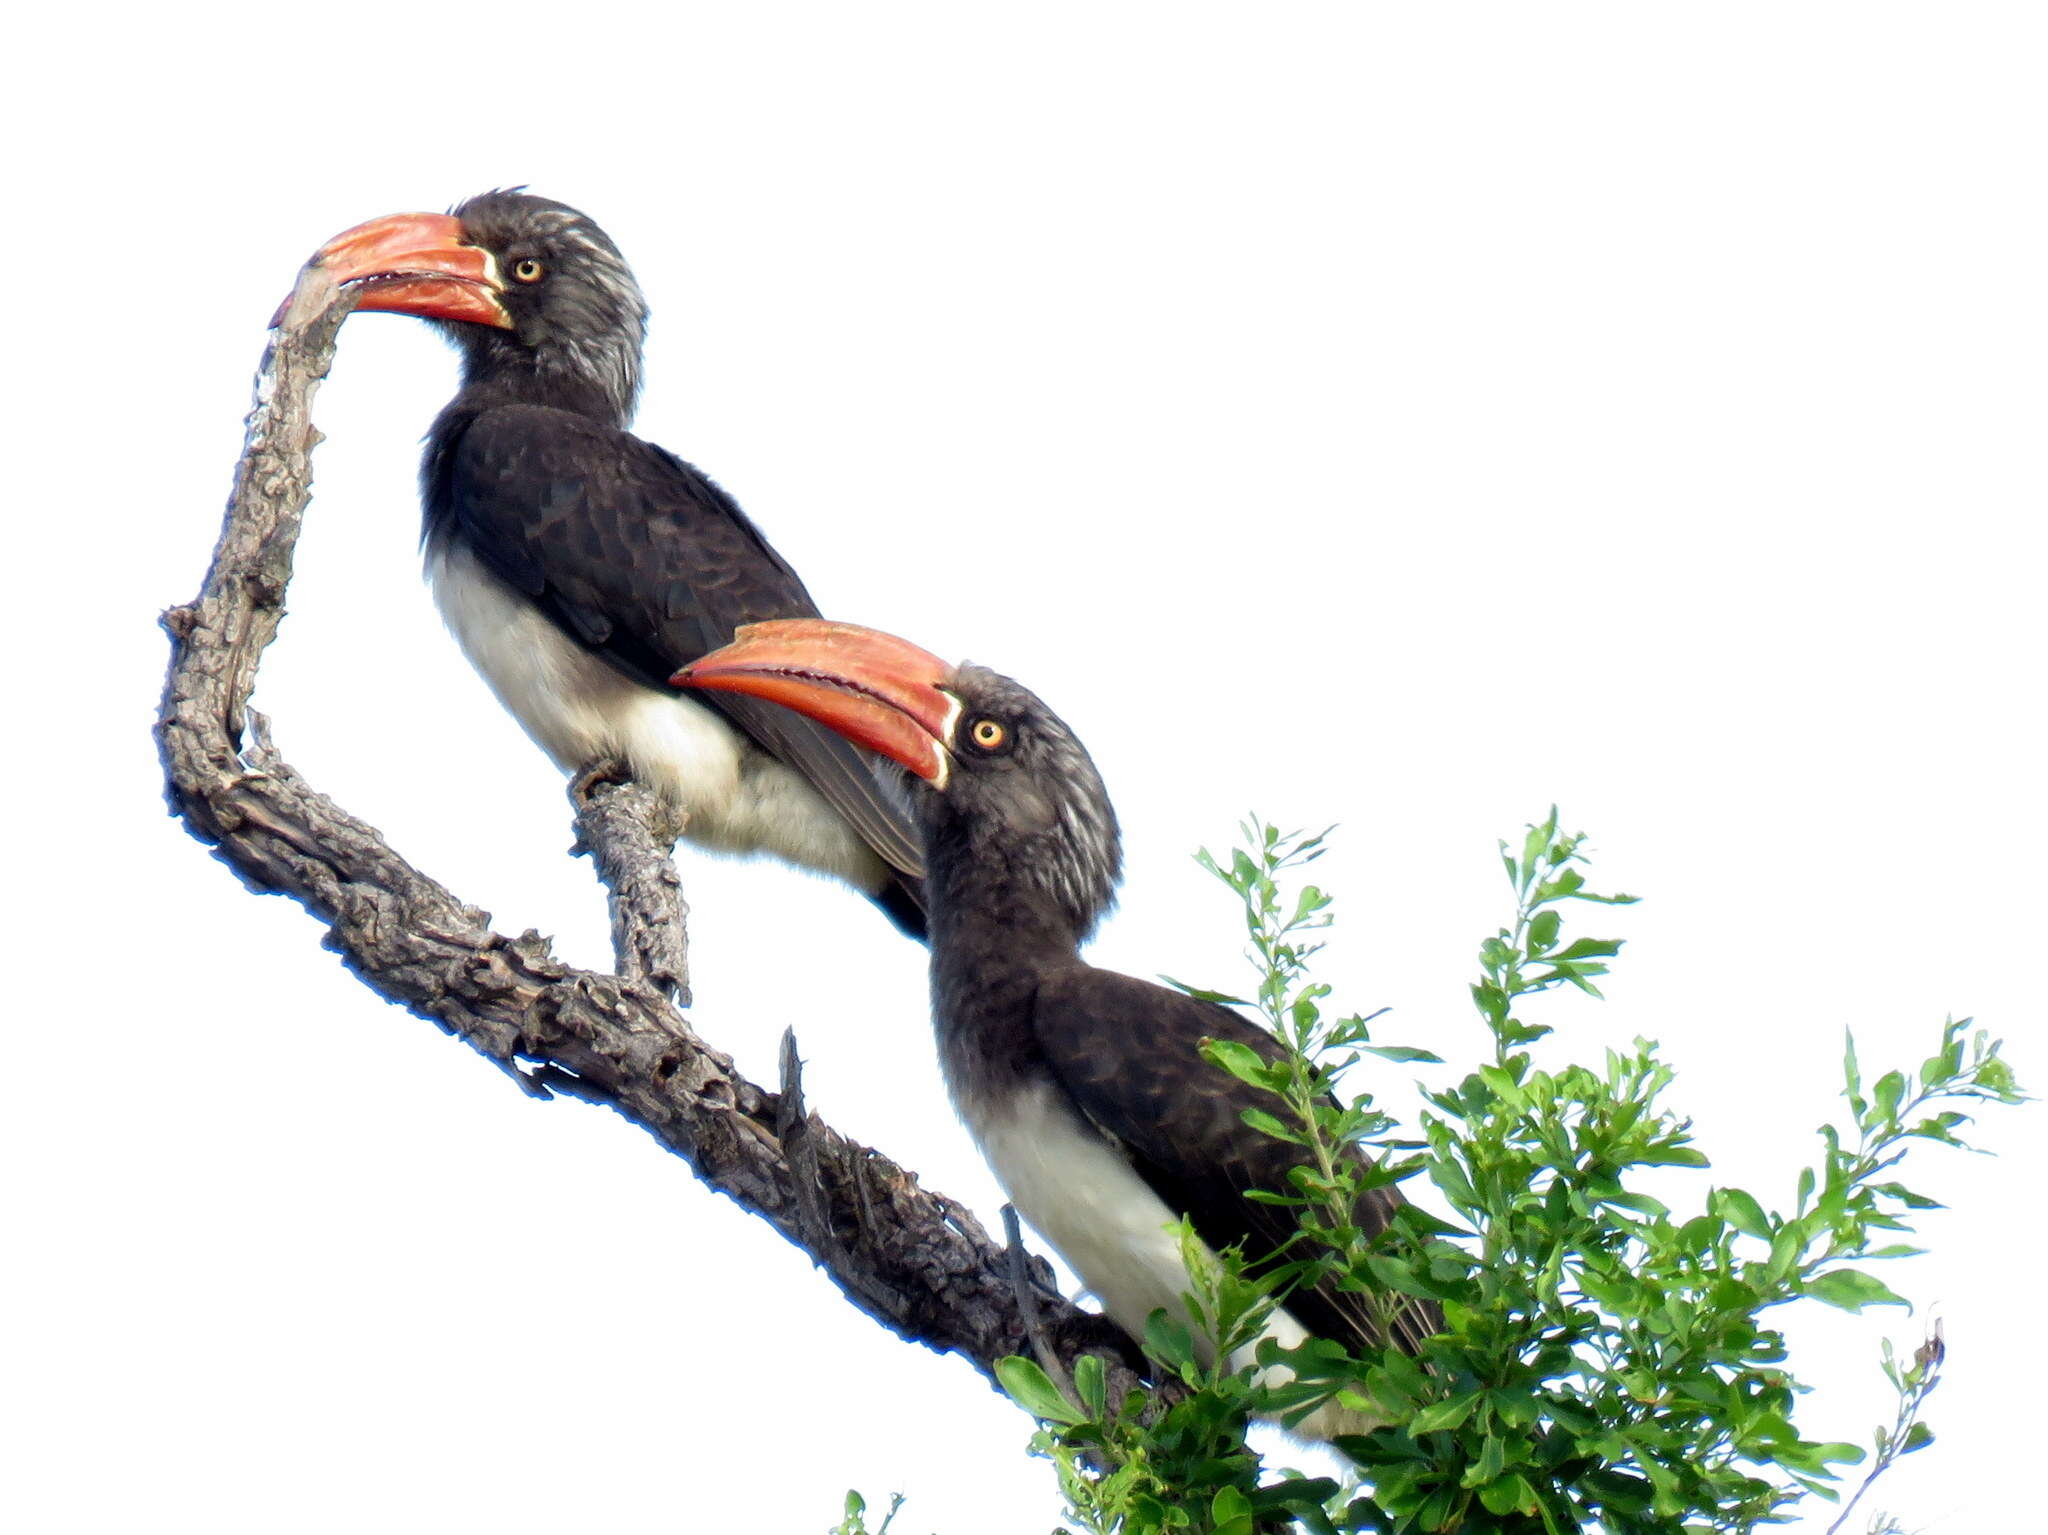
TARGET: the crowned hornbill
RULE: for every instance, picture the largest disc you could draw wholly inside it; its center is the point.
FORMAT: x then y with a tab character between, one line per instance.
1086	1090
578	565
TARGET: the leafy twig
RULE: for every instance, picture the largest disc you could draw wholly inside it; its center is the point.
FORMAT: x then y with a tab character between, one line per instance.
1915	1383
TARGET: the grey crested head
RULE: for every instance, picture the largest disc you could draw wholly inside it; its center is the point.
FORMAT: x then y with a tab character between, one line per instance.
578	317
1024	810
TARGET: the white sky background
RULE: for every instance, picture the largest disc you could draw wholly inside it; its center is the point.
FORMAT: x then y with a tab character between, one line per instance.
1401	421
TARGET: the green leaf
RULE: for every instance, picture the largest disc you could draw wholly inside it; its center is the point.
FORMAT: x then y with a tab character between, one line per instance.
1401	1053
1786	1245
1918	1437
1891	1087
1669	1156
1230	1512
1169	1341
1852	1290
1450	1178
1940	1127
1996	1078
1508	1495
1032	1389
1699	1233
1642	1204
1578	978
1395	1274
1201	994
1624	1491
1588	948
1808	1456
1089	1384
1617	1292
1741	1211
1515	1408
1907	1197
1310	902
1503	1084
1491	1001
1240	1060
1267	1124
1442	1415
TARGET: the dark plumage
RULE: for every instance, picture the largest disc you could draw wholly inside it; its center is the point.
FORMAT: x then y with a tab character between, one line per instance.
1086	1089
579	565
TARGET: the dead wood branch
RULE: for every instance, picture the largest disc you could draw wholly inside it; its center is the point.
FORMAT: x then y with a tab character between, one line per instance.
914	1260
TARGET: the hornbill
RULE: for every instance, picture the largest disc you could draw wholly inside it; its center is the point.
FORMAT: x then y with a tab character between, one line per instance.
1086	1090
579	565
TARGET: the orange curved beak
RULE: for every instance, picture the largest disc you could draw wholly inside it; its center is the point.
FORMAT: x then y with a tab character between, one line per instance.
878	691
419	264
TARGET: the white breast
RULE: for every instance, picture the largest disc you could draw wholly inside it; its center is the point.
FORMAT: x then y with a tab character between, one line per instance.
1080	1194
579	710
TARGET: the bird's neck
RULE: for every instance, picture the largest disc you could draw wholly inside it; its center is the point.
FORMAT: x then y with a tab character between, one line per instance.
996	931
989	957
600	381
988	893
989	925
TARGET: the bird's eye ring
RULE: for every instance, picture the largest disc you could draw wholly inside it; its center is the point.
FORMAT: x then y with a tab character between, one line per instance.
529	270
987	734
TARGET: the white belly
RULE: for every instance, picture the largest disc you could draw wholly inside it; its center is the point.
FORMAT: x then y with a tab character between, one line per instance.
580	710
1112	1230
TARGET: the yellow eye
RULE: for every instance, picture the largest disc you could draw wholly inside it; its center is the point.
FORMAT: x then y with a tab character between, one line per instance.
987	734
529	270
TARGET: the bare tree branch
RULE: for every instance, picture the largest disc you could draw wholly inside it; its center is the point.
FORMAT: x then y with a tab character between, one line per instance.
629	832
914	1260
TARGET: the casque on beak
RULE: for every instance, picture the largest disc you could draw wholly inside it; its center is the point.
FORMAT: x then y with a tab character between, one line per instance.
418	264
878	691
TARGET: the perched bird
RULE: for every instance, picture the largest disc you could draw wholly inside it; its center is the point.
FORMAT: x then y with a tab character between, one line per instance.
1086	1090
579	565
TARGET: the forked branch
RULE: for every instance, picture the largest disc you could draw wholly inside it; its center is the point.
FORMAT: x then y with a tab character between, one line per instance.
912	1259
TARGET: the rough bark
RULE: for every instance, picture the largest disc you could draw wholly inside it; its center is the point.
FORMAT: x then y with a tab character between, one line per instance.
911	1258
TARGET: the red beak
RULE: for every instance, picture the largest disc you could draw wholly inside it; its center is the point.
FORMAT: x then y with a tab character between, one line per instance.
416	263
878	691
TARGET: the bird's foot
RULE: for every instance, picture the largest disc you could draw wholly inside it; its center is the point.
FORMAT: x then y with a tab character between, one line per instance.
606	770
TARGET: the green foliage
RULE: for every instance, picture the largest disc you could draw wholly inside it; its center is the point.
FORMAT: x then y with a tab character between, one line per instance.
855	1521
1605	1363
1128	1468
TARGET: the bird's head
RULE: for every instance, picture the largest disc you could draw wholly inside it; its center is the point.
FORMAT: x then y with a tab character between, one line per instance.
536	295
1002	776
